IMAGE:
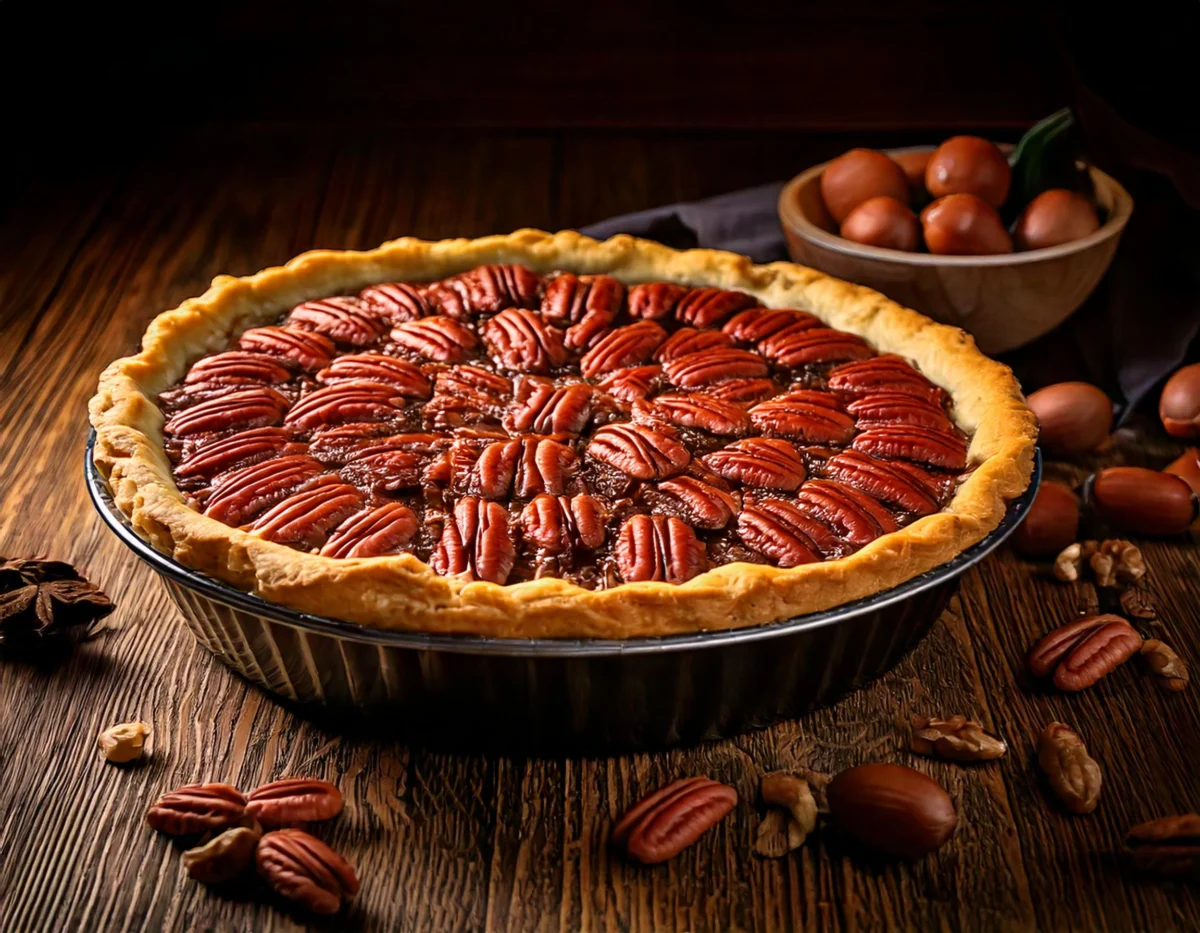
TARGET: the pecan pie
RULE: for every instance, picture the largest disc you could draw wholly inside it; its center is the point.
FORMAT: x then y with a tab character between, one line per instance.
541	434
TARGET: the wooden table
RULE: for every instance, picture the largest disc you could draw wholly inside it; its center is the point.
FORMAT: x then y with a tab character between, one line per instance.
445	842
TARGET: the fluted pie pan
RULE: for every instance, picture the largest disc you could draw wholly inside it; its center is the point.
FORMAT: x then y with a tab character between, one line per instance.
554	695
470	544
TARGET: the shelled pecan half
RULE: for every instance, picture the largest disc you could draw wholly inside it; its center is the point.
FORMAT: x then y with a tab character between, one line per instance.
631	383
755	324
893	482
884	408
240	495
522	342
237	450
238	367
306	517
654	301
559	524
1082	652
196	809
639	450
689	340
798	347
657	547
568	298
704	307
356	401
543	408
1168	846
405	379
258	407
308	350
805	415
695	410
759	461
1073	775
887	373
396	302
484	290
622	347
439	338
955	739
669	820
342	319
908	442
781	531
476	541
386	529
699	503
712	366
303	869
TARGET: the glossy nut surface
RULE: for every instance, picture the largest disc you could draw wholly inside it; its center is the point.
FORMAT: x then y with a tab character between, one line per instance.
857	175
1143	501
1179	405
892	809
969	165
1051	524
884	222
964	225
1075	417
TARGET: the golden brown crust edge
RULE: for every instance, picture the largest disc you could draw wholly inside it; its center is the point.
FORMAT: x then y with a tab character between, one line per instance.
401	592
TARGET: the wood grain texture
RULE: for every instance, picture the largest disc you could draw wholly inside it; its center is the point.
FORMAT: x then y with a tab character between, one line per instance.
453	842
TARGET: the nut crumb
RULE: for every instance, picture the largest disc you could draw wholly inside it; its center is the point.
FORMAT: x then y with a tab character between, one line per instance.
1169	669
124	742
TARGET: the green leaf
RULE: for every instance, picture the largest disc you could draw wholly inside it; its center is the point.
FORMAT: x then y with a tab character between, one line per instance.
1046	157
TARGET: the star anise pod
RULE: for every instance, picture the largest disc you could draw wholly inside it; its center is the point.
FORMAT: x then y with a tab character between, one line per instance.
42	597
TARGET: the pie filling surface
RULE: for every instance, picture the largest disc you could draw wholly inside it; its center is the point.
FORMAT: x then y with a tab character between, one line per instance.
503	425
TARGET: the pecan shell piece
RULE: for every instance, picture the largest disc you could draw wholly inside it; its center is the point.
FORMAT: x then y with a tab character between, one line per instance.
395	302
258	407
559	524
907	442
799	345
306	517
542	408
887	373
308	350
639	450
695	410
883	408
342	319
196	809
622	347
655	300
520	341
701	504
294	800
631	384
239	495
809	416
439	338
689	340
237	450
484	290
669	820
356	401
569	298
657	547
704	307
854	516
712	366
758	461
238	367
476	542
894	483
755	324
303	869
776	529
406	379
387	529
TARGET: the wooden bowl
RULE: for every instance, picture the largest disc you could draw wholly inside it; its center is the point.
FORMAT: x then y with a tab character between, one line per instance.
1004	301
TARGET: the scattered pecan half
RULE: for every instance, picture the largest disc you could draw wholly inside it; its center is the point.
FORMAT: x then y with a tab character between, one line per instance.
542	408
655	300
758	461
441	339
305	870
305	518
1074	777
124	742
1081	653
405	379
238	367
712	366
894	482
237	450
258	407
356	401
396	302
955	739
701	504
343	320
884	408
755	324
386	529
622	347
689	340
196	809
806	415
657	547
886	373
223	858
639	450
476	541
569	298
781	531
907	442
799	345
294	800
484	290
239	495
704	307
521	341
1169	669
695	410
1168	846
559	524
308	350
669	820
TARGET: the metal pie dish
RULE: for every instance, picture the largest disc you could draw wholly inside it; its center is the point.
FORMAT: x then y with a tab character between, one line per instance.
555	696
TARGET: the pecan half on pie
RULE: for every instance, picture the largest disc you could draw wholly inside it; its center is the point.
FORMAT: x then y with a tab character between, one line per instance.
546	435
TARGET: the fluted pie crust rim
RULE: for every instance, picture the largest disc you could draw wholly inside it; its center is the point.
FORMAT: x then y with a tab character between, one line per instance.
403	592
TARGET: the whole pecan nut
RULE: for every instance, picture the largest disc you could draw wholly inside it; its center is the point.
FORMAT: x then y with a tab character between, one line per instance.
623	347
196	809
308	350
1168	846
1073	775
224	857
305	870
520	341
438	338
342	319
712	366
666	822
657	547
757	461
1169	669
955	739
294	800
639	450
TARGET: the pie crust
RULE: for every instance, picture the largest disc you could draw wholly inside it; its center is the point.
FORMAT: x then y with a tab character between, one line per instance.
402	592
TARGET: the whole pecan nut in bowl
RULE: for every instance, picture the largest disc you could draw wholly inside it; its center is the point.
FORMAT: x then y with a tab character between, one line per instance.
817	452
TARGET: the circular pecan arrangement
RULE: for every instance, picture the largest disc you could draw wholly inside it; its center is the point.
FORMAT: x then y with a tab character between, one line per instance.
503	426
